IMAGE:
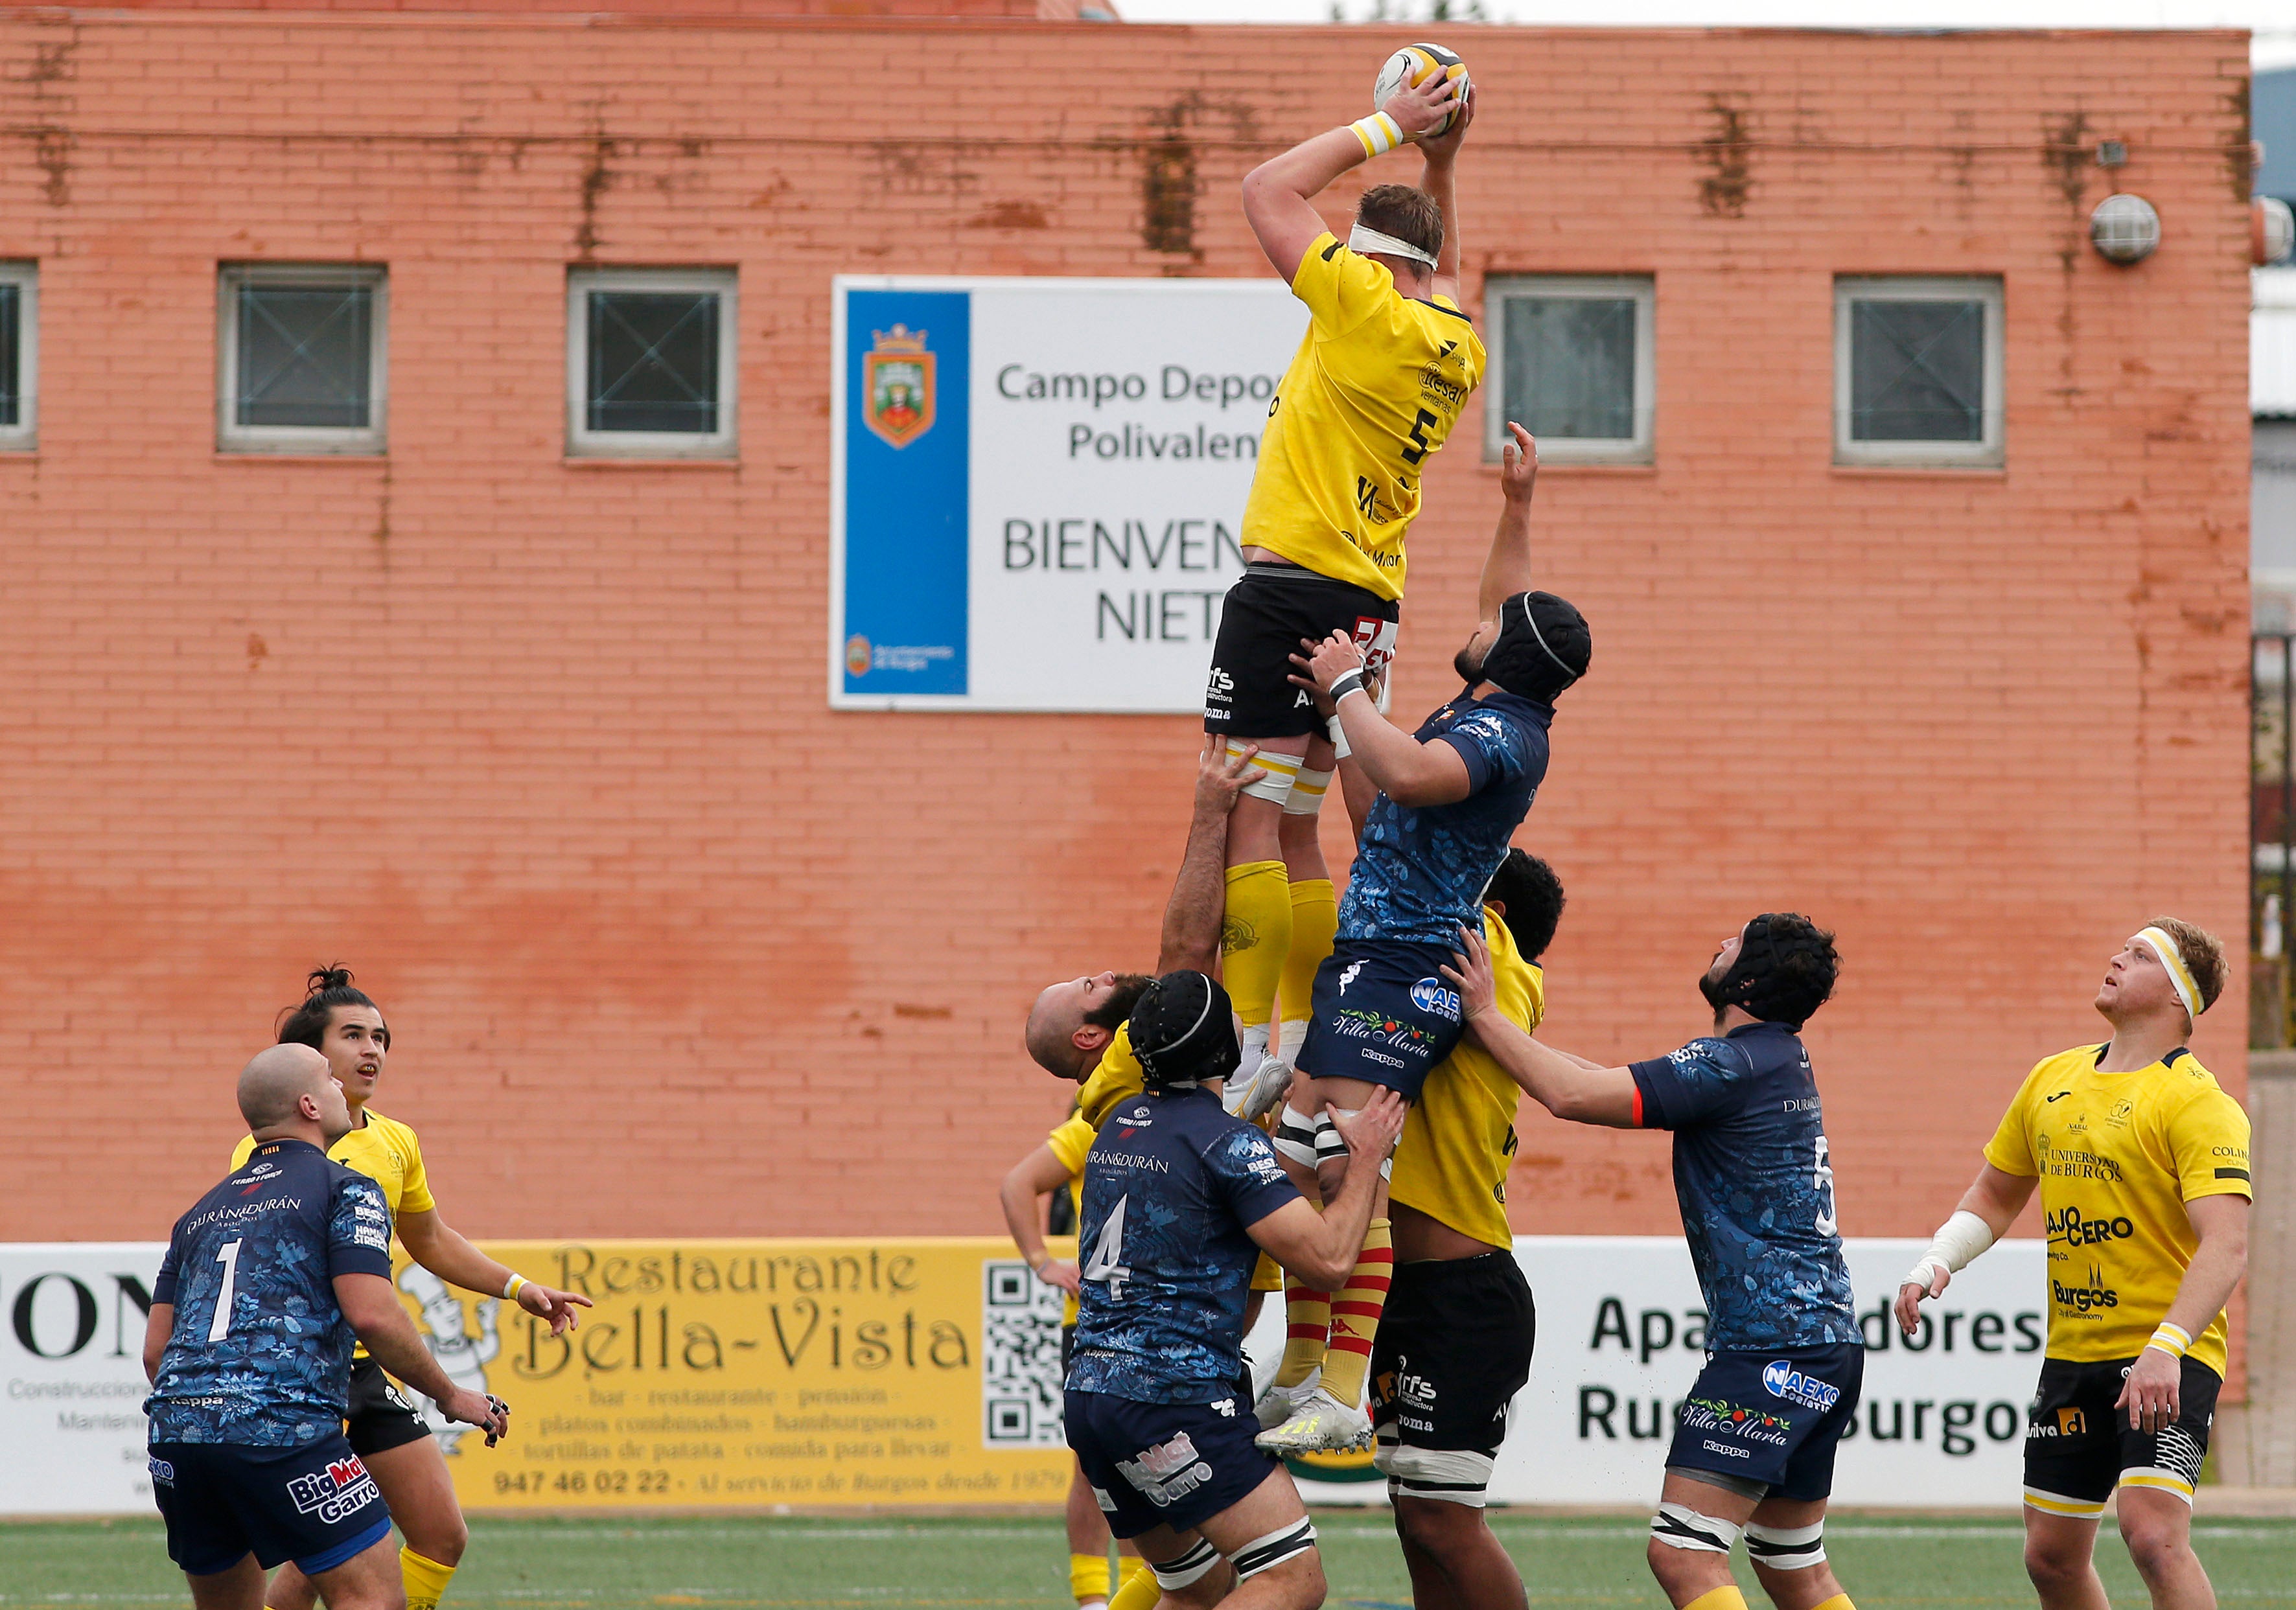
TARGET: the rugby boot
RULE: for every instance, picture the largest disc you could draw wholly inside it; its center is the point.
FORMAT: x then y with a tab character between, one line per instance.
1319	1424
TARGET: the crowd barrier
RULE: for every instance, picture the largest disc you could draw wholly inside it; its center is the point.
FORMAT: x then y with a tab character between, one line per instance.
925	1371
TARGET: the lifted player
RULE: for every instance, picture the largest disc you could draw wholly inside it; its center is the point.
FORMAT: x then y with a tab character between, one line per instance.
1450	797
2143	1166
1179	1200
1386	365
248	1348
1754	1442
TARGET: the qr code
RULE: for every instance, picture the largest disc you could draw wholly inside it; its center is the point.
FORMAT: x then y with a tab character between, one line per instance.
1020	1358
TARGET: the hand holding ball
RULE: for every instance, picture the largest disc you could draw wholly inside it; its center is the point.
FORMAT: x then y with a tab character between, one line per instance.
1426	68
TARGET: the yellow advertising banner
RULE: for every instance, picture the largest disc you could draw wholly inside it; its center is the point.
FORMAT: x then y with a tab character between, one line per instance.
747	1373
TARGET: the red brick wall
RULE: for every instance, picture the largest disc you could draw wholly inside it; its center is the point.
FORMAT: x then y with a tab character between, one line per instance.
541	749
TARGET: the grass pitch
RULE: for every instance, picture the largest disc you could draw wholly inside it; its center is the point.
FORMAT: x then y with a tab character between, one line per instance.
802	1563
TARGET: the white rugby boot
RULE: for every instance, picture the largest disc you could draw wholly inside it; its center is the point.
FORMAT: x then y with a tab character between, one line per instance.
1319	1424
1254	1044
1265	1090
1277	1404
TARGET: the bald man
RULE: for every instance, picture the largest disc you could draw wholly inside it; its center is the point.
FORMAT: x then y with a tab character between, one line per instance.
266	1281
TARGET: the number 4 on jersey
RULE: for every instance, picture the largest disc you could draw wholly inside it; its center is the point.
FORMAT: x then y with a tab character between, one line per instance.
1105	1264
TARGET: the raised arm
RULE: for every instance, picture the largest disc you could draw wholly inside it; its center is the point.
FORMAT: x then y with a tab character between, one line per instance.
1570	1087
1439	179
1987	1209
1191	916
1506	568
1395	763
1278	195
1321	1248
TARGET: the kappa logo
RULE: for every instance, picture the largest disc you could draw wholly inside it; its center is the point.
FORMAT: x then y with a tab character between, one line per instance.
1783	1380
1348	974
342	1488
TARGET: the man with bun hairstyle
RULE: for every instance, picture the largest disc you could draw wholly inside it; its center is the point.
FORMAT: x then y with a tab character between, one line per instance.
1382	374
2142	1161
1450	796
1754	1441
1180	1197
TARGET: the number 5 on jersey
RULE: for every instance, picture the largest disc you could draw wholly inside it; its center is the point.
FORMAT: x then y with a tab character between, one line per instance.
1106	1264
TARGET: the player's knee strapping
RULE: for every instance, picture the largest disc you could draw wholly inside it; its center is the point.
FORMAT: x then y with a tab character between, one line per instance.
1307	791
1273	1548
1283	771
1786	1547
1332	1147
1679	1526
1299	1136
1190	1568
1450	1476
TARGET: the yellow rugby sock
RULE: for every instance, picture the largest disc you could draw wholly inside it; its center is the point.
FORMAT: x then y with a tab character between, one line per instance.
1314	920
1128	1566
1141	1590
1355	1315
1088	1578
1308	1329
1730	1599
1840	1601
1255	938
426	1580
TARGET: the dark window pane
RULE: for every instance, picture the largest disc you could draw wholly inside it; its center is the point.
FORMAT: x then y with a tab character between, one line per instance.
11	349
653	360
1571	365
1917	372
305	354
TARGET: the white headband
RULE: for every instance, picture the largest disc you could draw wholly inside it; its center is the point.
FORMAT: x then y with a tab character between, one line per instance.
2172	962
1365	241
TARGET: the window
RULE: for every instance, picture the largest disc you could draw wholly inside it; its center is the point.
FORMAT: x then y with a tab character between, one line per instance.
20	345
1574	367
1918	372
650	363
302	353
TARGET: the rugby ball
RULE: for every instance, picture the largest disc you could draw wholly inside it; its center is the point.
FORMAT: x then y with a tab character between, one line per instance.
1414	65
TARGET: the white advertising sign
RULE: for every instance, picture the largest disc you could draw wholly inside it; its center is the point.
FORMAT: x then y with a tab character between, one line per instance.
1621	1337
1038	486
72	1351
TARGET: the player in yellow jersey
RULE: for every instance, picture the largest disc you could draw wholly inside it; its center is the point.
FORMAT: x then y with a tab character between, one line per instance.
341	1022
1454	1345
2142	1161
1378	380
1078	1030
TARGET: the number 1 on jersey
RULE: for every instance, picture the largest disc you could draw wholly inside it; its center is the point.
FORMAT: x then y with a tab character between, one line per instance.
229	1258
1105	1263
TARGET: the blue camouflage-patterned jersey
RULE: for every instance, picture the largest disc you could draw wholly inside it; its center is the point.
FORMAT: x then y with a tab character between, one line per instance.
260	1353
1756	1186
1169	1188
1421	869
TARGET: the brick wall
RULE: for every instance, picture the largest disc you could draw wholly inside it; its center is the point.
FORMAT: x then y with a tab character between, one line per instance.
542	749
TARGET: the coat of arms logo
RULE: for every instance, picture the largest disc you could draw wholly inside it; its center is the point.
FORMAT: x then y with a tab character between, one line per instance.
897	383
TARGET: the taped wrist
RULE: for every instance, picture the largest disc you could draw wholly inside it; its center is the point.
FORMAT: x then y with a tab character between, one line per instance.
2173	1340
1345	683
1786	1547
1189	1569
1679	1526
1307	791
1338	732
1959	1239
1273	1548
1379	133
1297	1134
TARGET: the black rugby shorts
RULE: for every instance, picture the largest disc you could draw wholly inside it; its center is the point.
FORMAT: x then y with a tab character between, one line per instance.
2078	1447
316	1505
1771	1419
1453	1349
1270	609
380	1417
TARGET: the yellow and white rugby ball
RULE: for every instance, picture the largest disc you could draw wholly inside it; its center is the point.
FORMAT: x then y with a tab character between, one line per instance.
1414	65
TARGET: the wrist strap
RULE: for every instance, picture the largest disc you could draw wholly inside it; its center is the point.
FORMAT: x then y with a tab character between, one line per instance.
2173	1340
512	1287
1379	133
1345	683
1338	730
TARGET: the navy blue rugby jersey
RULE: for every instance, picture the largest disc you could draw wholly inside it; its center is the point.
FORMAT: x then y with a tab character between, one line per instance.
1170	1188
1421	869
1756	1186
260	1354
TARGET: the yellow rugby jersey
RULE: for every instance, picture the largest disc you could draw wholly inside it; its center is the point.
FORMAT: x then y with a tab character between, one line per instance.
2118	1157
1373	391
385	1151
1452	1162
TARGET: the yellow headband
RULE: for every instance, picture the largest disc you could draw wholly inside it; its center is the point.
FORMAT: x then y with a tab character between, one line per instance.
2172	960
